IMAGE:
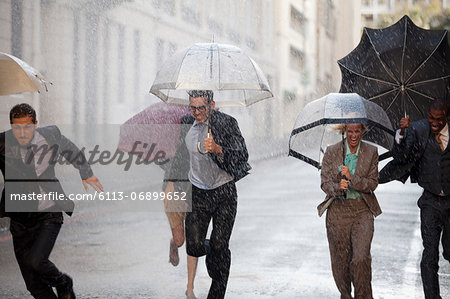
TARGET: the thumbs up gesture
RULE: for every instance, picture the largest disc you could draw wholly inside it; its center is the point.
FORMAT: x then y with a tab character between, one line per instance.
211	146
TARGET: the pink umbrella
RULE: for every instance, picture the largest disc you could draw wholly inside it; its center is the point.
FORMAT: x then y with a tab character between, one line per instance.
154	129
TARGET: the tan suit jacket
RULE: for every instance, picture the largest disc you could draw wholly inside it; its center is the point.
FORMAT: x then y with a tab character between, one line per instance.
365	179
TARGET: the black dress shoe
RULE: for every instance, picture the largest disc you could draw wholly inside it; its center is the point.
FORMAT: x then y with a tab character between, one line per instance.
65	288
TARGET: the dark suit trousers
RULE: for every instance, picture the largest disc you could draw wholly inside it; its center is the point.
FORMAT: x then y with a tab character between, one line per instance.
435	220
350	230
33	244
220	205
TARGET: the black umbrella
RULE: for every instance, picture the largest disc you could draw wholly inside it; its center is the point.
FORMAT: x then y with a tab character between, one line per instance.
314	128
402	68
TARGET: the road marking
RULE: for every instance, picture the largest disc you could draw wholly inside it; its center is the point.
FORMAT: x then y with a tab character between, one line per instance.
410	273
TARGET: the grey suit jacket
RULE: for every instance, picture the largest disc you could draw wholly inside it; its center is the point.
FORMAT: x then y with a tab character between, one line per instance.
365	179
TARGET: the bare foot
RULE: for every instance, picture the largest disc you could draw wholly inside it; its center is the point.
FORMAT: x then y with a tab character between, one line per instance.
190	295
174	259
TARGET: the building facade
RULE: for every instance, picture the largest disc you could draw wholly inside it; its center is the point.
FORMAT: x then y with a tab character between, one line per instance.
102	56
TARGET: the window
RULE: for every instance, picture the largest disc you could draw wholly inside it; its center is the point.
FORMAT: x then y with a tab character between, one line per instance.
297	20
189	12
328	20
172	49
289	95
168	6
296	58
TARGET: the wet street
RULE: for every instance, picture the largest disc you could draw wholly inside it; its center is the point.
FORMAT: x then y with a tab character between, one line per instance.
279	247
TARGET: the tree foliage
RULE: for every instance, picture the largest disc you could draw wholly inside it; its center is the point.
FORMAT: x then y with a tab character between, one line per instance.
426	15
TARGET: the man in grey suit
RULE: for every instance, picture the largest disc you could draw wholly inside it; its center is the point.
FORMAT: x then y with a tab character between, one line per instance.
27	161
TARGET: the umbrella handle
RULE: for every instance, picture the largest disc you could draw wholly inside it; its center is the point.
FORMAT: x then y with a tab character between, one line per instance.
199	147
343	159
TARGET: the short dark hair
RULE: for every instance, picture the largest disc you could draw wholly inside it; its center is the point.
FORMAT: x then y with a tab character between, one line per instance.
22	110
439	105
208	94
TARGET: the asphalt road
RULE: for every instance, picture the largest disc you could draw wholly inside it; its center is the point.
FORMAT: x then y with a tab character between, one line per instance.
279	248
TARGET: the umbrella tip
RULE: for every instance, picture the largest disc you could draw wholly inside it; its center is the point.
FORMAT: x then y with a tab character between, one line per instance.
212	38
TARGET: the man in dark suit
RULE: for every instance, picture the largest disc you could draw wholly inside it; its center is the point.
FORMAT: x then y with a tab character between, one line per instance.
213	170
422	153
27	160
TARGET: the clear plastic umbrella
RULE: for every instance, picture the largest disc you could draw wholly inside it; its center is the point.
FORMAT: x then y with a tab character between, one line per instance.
16	76
233	76
315	127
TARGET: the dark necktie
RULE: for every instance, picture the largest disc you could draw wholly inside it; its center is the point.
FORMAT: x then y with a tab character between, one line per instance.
30	156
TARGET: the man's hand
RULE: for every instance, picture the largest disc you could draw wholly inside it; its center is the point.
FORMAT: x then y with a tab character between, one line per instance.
170	188
94	182
343	185
345	172
404	123
211	146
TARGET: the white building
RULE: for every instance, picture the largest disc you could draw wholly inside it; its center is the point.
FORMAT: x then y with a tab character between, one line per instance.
102	56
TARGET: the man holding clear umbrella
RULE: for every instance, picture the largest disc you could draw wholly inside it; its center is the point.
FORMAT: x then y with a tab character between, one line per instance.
213	172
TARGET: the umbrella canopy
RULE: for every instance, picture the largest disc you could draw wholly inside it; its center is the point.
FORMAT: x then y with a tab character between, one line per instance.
233	76
16	76
402	68
158	124
314	128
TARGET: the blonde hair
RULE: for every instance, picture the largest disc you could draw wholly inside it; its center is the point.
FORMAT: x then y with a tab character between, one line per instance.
341	128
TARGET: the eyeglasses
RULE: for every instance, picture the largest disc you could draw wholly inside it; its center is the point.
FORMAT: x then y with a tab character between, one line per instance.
198	108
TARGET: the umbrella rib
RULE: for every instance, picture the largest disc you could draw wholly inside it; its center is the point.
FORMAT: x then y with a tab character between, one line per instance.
304	158
392	102
396	84
321	141
425	61
414	104
327	121
380	126
179	67
257	77
211	52
381	95
427	81
219	67
381	61
422	94
403	52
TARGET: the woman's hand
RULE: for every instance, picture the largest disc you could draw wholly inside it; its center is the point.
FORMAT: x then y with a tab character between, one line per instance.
343	185
346	173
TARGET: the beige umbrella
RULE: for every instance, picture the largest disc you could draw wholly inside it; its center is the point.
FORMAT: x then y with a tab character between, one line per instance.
16	76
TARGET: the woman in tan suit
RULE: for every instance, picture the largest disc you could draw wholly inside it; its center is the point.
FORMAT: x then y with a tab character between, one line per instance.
351	206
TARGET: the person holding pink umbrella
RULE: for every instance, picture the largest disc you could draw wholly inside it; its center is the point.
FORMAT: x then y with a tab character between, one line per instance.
164	131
